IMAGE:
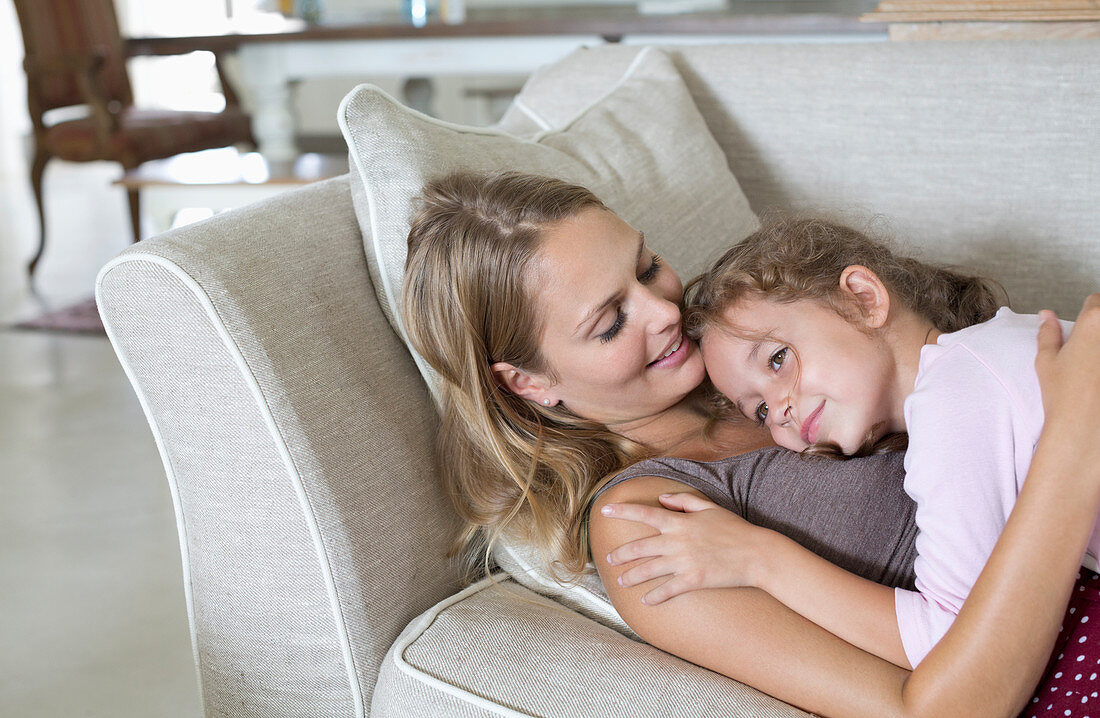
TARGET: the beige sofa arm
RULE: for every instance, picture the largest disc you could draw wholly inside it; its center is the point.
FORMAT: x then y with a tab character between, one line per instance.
296	436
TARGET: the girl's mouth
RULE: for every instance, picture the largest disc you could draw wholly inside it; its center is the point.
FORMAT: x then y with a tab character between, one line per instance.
673	356
812	424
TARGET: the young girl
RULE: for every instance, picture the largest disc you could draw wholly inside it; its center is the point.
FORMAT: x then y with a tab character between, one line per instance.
840	347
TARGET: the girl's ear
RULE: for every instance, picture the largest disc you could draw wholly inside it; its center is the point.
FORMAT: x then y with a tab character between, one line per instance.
532	387
870	294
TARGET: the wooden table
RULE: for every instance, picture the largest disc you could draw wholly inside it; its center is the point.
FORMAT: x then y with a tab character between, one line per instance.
490	42
215	180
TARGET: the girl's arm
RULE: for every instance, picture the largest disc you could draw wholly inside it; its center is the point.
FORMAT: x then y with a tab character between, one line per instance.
994	653
710	547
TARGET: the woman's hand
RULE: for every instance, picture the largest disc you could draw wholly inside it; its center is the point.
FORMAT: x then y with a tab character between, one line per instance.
1070	380
701	545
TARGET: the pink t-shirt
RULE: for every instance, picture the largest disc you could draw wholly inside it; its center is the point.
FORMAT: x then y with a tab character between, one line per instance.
973	418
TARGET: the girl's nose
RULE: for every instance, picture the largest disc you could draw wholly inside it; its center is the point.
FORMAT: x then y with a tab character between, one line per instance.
779	406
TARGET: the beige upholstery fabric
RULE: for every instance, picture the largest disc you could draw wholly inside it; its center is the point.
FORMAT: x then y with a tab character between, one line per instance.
500	650
640	146
296	433
983	154
586	595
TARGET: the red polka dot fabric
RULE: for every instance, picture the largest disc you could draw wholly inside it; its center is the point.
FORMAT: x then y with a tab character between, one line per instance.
1071	685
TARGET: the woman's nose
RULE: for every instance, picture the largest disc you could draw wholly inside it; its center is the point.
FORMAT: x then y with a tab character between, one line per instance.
663	313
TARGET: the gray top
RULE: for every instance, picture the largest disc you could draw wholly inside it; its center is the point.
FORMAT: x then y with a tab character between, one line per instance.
854	513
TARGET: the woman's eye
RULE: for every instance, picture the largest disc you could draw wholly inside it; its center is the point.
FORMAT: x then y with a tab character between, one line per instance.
651	272
761	412
777	359
620	320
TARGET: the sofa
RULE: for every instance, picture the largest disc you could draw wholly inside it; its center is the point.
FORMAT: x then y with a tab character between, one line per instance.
296	430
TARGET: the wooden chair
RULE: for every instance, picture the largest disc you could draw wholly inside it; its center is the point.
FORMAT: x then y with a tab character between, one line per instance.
75	56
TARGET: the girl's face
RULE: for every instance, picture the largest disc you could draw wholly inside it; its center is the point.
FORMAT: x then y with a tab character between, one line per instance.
611	333
809	375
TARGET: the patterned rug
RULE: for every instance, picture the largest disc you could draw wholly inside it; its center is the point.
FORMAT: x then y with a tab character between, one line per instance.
80	318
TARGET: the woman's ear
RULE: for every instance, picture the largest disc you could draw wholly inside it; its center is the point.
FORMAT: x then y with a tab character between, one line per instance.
870	294
532	387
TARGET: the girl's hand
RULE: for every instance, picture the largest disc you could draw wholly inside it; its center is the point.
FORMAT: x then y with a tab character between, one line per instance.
1070	380
701	545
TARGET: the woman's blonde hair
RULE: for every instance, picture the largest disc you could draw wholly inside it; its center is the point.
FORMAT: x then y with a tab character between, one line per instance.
506	463
791	259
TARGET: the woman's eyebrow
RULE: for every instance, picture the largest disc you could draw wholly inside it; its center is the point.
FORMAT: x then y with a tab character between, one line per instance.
614	297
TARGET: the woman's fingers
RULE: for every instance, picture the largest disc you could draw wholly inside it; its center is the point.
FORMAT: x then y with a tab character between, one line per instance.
1066	367
686	502
1050	340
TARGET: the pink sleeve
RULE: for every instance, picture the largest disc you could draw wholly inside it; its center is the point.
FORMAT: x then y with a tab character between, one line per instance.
961	470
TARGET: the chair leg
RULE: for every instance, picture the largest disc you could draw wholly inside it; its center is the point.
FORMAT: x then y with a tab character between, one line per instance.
38	169
135	212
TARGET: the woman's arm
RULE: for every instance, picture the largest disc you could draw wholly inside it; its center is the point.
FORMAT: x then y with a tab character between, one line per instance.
997	647
743	632
993	655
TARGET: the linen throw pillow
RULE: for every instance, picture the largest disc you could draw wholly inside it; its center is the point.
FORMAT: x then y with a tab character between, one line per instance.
642	148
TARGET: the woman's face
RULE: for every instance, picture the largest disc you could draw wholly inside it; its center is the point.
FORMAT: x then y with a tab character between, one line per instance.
611	333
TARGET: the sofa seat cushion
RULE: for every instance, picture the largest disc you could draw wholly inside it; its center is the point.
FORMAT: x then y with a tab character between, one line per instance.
642	147
498	649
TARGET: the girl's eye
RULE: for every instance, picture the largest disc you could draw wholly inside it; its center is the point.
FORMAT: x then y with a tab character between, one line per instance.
761	412
651	272
620	320
776	361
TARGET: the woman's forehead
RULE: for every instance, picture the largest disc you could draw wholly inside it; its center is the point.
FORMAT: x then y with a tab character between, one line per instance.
586	253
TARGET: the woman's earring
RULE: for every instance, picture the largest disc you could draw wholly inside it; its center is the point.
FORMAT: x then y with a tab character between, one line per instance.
546	402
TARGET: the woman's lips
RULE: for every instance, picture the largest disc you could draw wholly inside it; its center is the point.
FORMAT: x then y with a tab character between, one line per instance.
812	424
675	358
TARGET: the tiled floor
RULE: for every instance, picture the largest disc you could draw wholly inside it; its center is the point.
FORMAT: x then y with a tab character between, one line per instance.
92	615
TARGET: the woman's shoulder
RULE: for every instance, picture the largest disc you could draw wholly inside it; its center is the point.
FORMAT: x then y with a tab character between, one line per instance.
713	479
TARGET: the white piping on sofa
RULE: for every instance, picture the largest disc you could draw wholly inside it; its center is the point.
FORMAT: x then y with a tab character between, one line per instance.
246	373
417	629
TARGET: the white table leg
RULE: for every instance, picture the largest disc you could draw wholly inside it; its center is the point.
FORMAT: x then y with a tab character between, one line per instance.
264	72
159	208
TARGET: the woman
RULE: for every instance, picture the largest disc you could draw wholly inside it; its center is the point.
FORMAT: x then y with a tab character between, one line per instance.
557	337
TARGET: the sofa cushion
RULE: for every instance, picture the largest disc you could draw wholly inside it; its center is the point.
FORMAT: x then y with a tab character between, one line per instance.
642	147
497	649
586	595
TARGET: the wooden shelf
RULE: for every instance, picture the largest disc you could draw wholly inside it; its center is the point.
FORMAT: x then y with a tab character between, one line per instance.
908	11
